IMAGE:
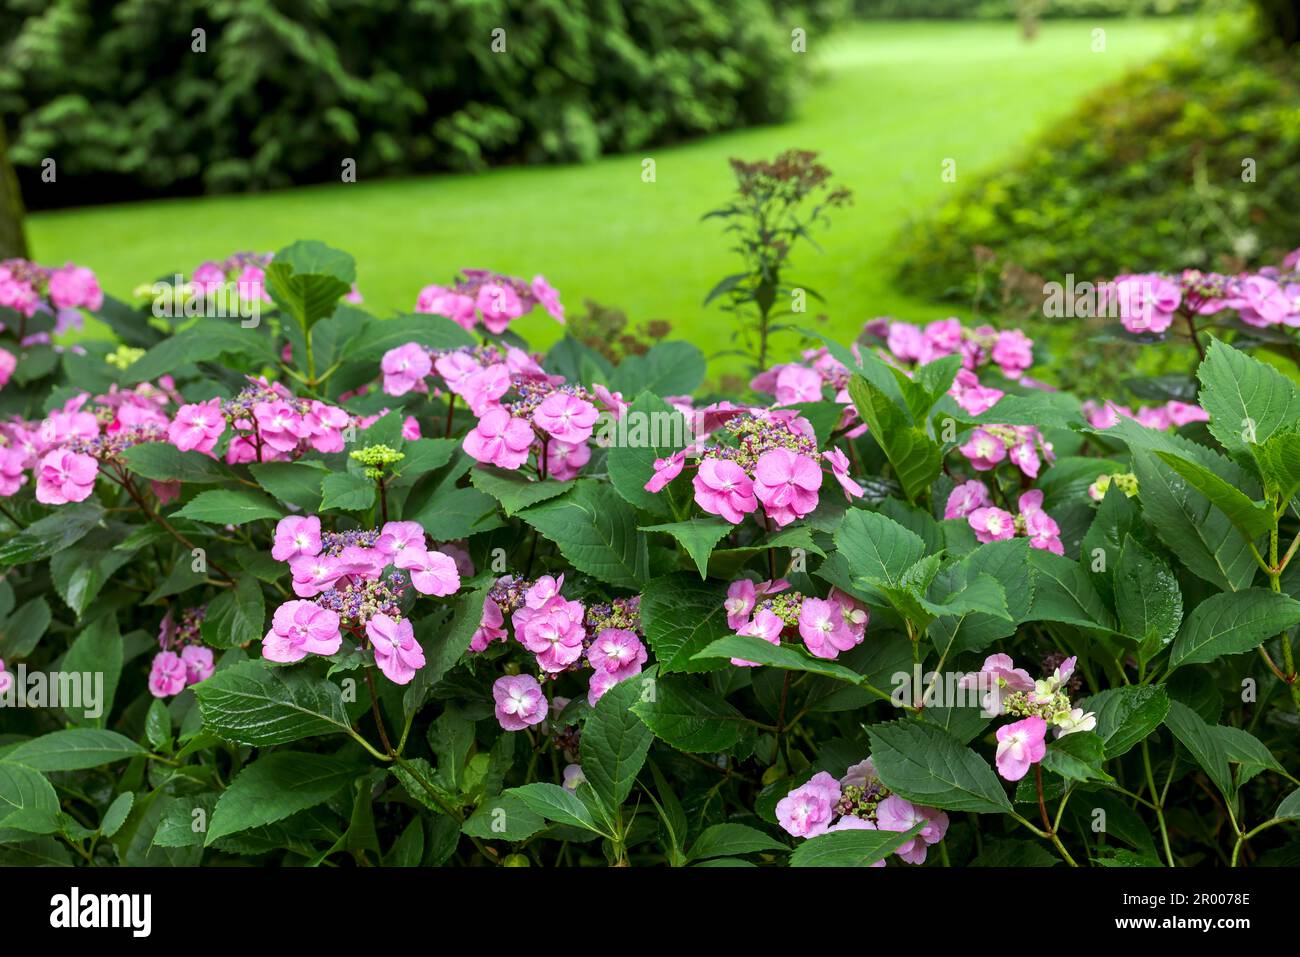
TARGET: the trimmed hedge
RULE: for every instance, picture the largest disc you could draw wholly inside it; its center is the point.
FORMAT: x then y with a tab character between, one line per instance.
286	90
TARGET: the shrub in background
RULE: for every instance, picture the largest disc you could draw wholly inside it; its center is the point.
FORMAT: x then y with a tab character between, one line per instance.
284	92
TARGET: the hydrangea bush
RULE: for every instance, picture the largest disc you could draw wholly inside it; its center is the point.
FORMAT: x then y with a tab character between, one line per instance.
300	584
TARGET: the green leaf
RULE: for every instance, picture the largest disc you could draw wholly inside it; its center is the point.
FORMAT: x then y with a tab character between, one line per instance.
1064	592
1126	716
674	367
44	537
116	814
877	548
1231	623
229	507
308	278
513	490
749	648
650	429
347	491
1007	563
1248	401
1147	597
930	767
596	531
23	630
698	536
555	804
74	750
163	462
614	743
914	456
435	332
96	651
855	848
688	716
81	572
250	703
680	616
504	818
1279	463
27	800
1076	757
296	483
275	786
1251	518
205	340
236	616
1205	746
729	840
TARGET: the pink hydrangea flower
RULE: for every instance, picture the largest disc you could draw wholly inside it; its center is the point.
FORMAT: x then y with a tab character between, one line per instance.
573	777
565	461
519	701
1181	413
483	388
397	654
296	535
6	679
63	477
766	625
1147	303
405	368
74	287
992	524
723	488
965	498
739	603
855	614
973	397
565	417
796	383
807	811
395	538
312	574
432	572
13	470
617	651
898	814
198	663
984	450
490	628
499	439
665	471
786	483
1020	744
498	304
8	362
839	463
554	633
601	682
300	628
167	675
1013	353
279	425
198	427
823	629
549	299
1040	528
441	301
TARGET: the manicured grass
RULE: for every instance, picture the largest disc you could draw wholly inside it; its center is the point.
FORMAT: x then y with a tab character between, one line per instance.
891	103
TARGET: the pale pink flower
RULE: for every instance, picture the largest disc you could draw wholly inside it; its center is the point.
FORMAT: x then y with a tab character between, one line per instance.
554	633
499	439
296	535
992	524
519	701
300	628
723	488
75	287
766	625
312	574
823	629
1013	353
565	417
665	471
279	425
13	474
545	294
895	813
965	498
786	483
483	388
490	627
397	654
498	304
839	463
398	537
432	572
1019	745
617	651
984	450
8	362
167	675
440	301
405	368
198	663
63	477
807	811
573	777
565	461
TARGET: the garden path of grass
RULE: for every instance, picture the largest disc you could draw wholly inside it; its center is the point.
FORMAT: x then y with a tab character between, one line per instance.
891	101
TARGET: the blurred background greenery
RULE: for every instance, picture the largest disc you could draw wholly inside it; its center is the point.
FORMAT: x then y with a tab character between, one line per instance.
1087	136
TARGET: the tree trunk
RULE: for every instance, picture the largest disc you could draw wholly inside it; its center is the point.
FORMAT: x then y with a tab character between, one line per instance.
13	241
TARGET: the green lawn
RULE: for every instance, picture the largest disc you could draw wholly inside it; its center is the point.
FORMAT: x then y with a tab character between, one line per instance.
890	103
